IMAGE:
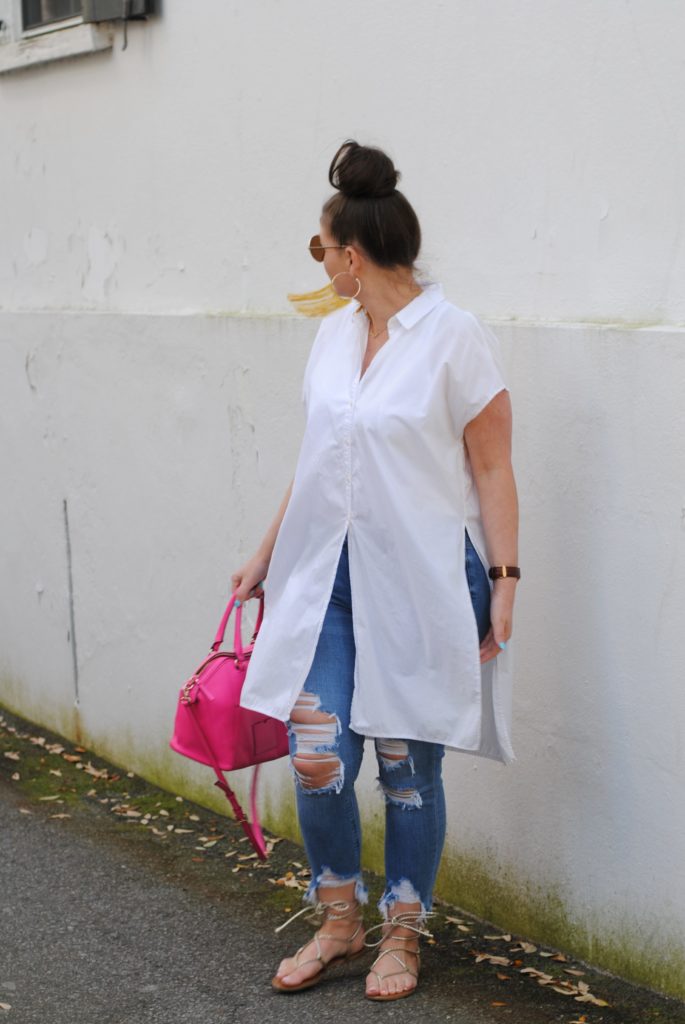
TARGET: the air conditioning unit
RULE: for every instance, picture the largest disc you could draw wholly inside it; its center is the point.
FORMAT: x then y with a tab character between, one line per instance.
116	10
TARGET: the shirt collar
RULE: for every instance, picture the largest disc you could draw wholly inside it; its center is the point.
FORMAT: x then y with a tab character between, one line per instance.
415	310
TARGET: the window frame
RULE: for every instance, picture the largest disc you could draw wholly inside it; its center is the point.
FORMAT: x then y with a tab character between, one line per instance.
22	49
59	23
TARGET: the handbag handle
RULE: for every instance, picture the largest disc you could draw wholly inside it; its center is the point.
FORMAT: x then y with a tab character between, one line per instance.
237	634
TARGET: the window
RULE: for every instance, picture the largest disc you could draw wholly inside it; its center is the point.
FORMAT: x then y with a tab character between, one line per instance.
43	31
35	13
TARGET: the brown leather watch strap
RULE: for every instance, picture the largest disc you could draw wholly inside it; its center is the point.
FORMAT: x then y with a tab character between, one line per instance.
501	572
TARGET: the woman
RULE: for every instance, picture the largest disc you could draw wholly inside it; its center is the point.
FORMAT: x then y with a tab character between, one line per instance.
380	620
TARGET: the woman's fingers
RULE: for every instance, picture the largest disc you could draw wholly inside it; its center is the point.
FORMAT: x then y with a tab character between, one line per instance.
244	589
488	648
491	645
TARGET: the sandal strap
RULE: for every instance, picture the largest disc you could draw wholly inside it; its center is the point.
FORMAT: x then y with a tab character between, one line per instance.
338	910
392	951
407	919
316	939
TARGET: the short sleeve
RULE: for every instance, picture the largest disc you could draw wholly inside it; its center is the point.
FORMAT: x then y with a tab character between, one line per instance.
474	374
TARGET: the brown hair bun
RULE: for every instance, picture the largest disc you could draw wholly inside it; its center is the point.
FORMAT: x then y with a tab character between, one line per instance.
362	172
368	209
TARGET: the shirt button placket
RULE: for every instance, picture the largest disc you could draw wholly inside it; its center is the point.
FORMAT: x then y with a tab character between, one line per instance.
348	452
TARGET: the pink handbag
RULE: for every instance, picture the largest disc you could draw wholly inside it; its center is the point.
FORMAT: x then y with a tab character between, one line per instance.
212	728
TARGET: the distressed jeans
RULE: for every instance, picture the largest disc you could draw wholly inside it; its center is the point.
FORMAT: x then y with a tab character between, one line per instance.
326	756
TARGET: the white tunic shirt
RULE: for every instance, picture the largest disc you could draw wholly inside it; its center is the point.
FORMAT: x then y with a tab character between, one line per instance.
383	459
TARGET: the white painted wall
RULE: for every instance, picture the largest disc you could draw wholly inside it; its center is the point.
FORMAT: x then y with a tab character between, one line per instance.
542	143
161	198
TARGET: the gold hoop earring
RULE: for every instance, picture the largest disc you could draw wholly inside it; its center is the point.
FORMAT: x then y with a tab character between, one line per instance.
342	293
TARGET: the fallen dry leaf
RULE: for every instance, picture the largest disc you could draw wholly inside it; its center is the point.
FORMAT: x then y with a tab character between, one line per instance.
563	991
16	777
71	757
12	755
570	970
25	810
526	947
60	815
500	961
498	1004
184	831
503	977
55	771
5	1006
494	938
589	998
535	973
48	798
288	883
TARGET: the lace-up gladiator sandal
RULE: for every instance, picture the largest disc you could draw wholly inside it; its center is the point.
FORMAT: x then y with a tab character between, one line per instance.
398	953
338	910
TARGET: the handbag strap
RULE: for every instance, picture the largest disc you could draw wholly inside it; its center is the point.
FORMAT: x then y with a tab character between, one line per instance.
237	633
252	831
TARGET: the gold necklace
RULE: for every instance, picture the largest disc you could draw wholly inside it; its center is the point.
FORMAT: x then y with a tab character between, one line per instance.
374	334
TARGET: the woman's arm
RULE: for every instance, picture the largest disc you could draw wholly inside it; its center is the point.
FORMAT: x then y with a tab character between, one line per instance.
245	581
488	443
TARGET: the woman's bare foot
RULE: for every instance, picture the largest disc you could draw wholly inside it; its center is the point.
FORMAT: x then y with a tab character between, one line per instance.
340	937
395	971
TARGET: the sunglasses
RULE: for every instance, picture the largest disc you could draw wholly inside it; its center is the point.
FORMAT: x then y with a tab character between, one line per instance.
318	250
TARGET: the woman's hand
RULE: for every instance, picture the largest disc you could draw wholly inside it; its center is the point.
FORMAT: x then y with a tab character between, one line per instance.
249	577
501	618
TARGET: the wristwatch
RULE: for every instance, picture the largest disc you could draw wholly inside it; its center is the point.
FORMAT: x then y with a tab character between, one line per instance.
501	572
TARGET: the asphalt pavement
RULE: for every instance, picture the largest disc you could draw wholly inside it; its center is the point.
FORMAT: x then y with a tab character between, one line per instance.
123	904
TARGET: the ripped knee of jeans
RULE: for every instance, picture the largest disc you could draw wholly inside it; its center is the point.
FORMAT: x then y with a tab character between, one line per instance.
395	762
392	754
407	798
316	764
